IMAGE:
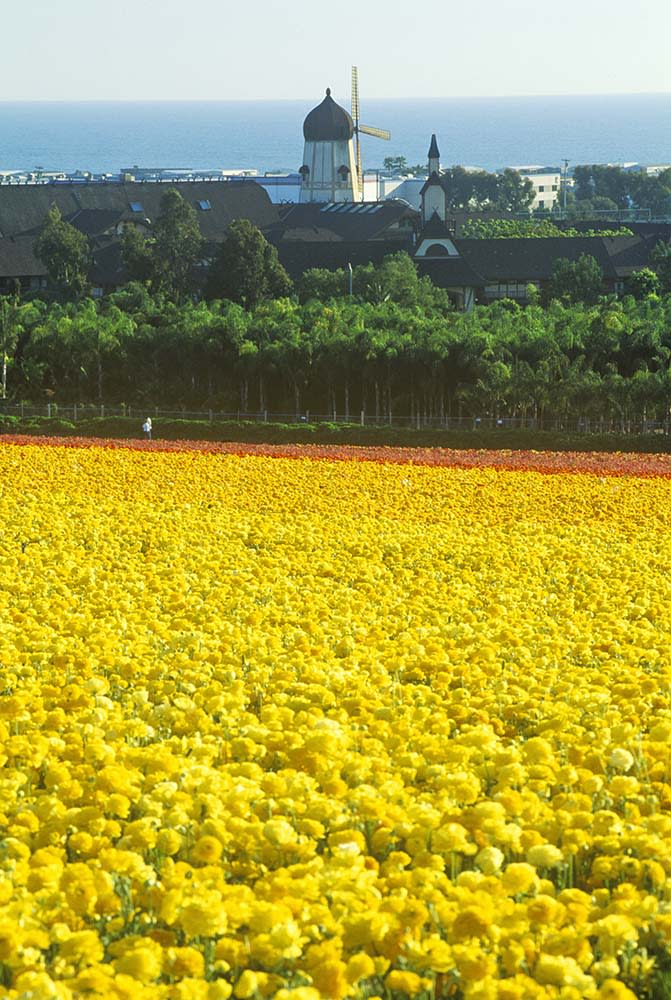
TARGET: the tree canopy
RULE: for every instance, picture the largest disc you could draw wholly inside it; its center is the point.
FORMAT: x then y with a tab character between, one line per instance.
65	252
168	256
247	269
606	359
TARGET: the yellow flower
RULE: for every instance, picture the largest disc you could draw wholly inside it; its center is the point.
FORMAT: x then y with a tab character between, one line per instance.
247	985
544	856
621	759
518	878
206	850
489	860
359	966
168	842
204	915
612	989
560	970
220	989
472	922
403	982
142	961
181	962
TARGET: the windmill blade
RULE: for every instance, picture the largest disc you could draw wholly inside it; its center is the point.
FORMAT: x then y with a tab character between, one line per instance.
355	119
359	165
381	133
355	96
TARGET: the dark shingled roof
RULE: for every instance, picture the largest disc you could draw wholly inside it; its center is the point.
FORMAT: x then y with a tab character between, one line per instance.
310	221
533	259
328	122
433	148
449	272
435	229
94	221
23	207
629	255
17	259
300	257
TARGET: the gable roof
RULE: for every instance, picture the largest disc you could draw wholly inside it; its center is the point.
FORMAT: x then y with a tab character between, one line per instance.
449	272
94	221
431	181
349	221
629	255
23	207
532	259
436	228
17	259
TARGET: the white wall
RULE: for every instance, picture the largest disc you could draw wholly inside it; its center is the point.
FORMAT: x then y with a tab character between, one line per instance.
324	182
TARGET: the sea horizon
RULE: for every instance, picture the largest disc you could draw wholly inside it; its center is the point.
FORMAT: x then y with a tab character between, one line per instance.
106	135
278	100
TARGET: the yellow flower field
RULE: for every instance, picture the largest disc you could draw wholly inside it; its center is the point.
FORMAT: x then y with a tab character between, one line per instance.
273	727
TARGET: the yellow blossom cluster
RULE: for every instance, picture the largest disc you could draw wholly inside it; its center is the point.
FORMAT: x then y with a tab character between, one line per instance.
298	729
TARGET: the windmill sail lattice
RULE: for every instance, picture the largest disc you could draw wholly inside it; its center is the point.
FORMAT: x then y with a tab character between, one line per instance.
379	133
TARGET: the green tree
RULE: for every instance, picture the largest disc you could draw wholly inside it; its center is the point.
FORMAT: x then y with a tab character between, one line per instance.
247	269
576	280
16	319
177	245
515	193
137	255
643	283
321	284
395	164
660	258
65	252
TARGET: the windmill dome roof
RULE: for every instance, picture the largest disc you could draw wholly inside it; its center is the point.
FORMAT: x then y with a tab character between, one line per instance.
328	122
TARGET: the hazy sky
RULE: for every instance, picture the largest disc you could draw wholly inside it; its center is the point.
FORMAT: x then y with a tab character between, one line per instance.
246	49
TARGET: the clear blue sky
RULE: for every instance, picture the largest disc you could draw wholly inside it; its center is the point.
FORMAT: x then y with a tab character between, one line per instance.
248	49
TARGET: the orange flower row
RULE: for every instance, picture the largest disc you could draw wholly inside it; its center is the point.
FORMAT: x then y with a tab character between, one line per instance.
587	462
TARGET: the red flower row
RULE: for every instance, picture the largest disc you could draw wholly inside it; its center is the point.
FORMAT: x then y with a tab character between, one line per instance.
596	463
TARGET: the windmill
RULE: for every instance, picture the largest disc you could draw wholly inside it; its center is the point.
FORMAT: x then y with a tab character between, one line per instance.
380	133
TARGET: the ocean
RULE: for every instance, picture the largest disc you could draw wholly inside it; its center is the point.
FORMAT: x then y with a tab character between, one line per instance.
267	135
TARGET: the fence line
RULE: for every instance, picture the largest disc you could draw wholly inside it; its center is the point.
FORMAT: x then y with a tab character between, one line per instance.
578	425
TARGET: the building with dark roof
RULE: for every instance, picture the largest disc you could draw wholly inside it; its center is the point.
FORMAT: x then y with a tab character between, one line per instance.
483	270
508	266
336	234
102	211
19	265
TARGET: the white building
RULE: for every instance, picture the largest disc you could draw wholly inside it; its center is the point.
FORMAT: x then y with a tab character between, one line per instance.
547	186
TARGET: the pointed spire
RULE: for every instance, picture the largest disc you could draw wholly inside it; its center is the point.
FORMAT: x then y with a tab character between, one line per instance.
433	149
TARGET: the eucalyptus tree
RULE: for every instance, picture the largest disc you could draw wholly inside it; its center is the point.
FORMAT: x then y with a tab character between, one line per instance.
65	252
177	246
247	268
10	328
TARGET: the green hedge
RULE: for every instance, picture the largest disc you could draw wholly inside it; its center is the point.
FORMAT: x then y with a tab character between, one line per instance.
328	433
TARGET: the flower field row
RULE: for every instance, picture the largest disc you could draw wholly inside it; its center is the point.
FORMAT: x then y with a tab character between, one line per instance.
274	727
596	463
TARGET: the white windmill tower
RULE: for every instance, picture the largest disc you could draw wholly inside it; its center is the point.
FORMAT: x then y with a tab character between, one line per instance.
331	168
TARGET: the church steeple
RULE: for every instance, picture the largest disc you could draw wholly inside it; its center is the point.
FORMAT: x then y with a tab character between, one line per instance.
434	156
